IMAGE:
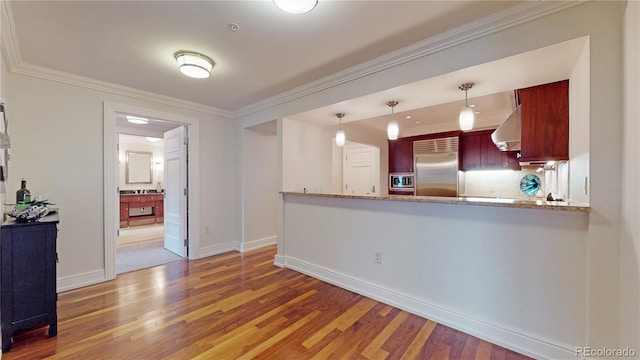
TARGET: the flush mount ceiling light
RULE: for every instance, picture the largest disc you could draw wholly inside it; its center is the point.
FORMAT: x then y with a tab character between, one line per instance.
466	114
392	127
194	64
137	120
296	6
340	136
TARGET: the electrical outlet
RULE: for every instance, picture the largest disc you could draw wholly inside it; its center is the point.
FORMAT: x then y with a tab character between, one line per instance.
377	257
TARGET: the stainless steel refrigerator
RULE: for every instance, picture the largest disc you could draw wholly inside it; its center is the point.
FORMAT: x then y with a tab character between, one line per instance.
436	167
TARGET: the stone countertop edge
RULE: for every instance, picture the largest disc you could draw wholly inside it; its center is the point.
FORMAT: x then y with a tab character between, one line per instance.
470	200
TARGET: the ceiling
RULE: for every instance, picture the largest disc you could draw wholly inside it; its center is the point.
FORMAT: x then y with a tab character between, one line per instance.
131	43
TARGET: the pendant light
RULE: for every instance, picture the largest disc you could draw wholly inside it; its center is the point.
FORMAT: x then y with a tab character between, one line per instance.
466	114
392	127
340	136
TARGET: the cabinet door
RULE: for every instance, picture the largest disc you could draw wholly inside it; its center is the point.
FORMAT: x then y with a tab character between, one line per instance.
159	208
545	122
124	211
401	155
471	149
480	153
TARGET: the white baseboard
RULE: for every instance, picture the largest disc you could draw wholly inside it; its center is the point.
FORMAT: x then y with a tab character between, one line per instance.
508	338
260	243
82	280
204	252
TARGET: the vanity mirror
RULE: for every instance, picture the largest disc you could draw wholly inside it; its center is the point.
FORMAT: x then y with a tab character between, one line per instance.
139	169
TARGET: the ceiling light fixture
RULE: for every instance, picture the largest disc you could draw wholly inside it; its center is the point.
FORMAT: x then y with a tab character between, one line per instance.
296	6
194	64
392	127
340	136
137	120
466	117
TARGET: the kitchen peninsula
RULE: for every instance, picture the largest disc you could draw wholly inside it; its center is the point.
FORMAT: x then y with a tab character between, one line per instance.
472	264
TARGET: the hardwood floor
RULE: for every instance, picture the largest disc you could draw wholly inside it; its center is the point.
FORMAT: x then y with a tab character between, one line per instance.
238	306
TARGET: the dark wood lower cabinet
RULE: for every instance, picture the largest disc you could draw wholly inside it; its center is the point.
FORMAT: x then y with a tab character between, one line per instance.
28	289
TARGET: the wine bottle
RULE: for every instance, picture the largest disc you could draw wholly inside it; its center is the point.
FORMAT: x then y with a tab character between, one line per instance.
23	195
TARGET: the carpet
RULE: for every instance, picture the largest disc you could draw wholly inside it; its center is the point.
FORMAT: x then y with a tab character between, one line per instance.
143	254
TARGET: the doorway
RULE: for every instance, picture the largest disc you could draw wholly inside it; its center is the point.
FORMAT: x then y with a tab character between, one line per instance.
114	115
361	174
141	169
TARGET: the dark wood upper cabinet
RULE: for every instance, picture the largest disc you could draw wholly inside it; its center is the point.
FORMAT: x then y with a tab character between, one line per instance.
401	155
478	152
401	150
545	122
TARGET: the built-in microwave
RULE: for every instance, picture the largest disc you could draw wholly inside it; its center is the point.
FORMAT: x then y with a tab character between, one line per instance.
401	182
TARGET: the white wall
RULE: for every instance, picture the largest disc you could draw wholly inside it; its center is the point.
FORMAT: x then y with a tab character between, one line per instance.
518	271
306	157
586	295
630	228
260	174
157	149
579	120
57	138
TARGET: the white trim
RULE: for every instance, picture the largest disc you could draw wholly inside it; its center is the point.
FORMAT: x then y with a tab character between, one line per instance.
218	249
81	280
259	243
111	217
505	19
9	38
526	344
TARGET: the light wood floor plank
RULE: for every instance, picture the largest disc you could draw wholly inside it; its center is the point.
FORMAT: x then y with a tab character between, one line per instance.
237	306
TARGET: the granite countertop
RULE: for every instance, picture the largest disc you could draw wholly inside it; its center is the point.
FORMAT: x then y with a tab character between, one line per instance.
497	202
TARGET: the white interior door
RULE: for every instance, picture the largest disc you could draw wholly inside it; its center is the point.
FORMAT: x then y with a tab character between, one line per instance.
361	164
175	188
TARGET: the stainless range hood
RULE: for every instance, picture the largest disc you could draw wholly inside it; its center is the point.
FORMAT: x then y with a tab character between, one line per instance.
507	136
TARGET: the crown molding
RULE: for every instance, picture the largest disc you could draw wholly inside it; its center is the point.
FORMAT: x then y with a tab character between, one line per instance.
8	38
505	19
107	87
11	53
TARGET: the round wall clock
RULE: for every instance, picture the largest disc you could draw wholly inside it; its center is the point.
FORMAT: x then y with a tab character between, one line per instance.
530	184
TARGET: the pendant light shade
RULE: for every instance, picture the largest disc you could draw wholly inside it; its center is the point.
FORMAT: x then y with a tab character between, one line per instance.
296	6
194	64
340	135
393	130
467	116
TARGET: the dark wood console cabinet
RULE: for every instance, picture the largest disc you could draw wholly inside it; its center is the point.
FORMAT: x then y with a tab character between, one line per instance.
28	289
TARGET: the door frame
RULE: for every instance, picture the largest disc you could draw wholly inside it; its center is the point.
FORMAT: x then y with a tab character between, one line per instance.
111	181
